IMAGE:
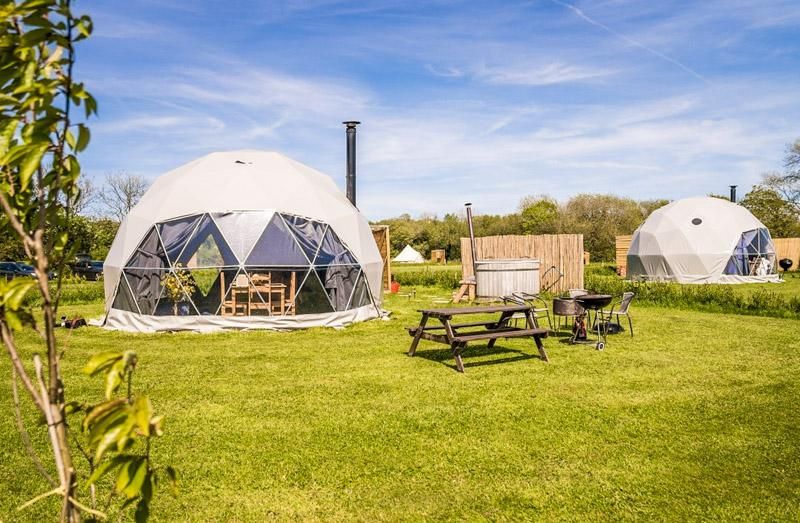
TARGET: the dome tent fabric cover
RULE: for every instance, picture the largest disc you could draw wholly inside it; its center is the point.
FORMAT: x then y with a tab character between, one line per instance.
409	255
255	240
702	240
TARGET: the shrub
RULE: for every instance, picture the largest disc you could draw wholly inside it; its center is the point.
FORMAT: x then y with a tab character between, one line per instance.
74	294
715	298
426	277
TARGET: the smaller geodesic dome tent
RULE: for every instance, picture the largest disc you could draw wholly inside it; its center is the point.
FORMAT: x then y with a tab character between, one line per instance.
409	255
242	240
702	240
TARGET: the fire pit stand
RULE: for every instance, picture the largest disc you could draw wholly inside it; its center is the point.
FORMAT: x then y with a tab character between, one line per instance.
594	302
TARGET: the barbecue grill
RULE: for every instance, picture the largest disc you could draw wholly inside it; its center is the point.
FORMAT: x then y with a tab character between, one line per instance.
594	302
785	263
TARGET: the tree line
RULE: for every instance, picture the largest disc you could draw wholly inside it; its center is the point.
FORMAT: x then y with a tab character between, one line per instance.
93	219
599	217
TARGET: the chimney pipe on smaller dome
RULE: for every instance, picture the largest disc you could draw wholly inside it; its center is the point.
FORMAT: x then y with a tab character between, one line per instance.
351	160
733	194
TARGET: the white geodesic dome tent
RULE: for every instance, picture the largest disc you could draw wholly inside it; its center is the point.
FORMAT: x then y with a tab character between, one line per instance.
702	240
245	239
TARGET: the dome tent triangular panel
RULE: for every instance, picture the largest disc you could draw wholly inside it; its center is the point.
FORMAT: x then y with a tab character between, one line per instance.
210	234
702	240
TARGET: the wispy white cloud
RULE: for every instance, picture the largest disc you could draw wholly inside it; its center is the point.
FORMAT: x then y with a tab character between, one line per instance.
547	74
592	21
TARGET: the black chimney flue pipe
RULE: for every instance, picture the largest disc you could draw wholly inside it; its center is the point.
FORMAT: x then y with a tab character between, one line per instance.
733	194
351	160
471	236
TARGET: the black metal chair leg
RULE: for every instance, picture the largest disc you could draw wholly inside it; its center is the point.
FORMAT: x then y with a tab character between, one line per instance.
630	324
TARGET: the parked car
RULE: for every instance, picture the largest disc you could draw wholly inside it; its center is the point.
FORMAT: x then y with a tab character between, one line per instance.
10	270
88	269
31	270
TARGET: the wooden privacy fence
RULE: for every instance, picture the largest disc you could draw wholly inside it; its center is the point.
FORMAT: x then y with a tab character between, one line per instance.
381	235
788	248
563	251
623	244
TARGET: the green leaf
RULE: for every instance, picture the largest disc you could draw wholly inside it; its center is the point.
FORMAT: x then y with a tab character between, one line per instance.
70	138
101	361
13	321
102	410
111	436
31	162
72	407
114	378
148	486
7	130
83	138
142	411
15	291
142	511
138	476
108	466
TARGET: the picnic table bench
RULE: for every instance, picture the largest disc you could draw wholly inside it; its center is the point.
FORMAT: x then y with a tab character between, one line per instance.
457	338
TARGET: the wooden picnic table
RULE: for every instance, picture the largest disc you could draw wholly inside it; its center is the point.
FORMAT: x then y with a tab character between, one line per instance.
458	335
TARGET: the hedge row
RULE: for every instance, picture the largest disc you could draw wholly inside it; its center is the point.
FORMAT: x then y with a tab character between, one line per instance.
426	277
714	298
72	293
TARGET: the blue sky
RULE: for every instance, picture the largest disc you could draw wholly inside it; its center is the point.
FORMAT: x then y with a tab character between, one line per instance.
460	101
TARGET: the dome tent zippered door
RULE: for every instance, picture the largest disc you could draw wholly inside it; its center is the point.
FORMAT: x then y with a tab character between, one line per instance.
264	268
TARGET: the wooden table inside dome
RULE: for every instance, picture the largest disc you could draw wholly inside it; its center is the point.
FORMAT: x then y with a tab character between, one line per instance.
458	335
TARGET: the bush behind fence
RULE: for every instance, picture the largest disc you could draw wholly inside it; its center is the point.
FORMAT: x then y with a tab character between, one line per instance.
714	298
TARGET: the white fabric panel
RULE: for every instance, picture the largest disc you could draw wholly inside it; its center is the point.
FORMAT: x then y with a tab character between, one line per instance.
668	246
132	322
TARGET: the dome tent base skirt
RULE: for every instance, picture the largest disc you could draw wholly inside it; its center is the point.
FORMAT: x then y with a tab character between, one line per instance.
133	322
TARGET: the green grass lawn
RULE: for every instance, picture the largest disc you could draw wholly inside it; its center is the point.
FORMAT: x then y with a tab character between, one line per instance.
693	419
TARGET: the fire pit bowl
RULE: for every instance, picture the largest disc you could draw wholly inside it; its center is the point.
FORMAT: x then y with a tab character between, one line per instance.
594	301
566	307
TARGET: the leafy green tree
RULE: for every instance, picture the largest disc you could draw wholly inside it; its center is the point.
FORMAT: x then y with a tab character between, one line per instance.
539	215
651	205
780	216
601	218
40	138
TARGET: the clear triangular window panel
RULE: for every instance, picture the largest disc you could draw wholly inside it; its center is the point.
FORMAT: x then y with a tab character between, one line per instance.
361	294
338	282
149	253
209	285
242	229
124	299
309	233
237	295
207	248
175	234
333	251
311	298
180	302
277	247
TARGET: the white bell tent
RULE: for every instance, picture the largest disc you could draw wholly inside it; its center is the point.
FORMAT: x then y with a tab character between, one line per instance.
409	255
243	240
702	240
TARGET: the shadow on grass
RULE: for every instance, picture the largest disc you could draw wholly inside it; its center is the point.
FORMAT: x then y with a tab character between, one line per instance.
445	356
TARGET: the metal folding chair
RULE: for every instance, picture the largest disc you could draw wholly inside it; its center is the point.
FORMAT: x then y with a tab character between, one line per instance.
538	304
623	309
